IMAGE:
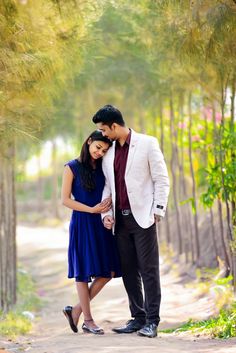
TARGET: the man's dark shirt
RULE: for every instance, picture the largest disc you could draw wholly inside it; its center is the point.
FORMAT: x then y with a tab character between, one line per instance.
121	155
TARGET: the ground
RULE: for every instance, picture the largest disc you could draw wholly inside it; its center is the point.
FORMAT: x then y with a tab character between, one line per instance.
43	252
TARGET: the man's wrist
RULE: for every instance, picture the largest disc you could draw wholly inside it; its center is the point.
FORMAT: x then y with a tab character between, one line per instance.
158	217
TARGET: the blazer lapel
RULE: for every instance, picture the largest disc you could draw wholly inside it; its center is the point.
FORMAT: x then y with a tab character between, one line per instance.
132	148
110	159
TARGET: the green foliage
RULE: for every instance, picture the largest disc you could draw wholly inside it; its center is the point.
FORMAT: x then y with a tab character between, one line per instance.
15	323
222	326
192	202
217	189
26	290
224	281
40	44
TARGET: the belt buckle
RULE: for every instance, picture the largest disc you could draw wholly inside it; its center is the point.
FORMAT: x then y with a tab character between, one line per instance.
125	212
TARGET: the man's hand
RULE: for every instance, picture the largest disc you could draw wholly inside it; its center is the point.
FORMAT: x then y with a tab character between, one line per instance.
108	222
157	218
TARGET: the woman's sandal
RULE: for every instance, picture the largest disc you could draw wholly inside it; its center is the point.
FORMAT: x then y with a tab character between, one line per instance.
96	331
67	311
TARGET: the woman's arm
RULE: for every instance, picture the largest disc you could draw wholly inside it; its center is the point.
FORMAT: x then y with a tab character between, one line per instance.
75	205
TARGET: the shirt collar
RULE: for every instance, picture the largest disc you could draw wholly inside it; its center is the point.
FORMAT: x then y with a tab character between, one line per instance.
127	141
128	138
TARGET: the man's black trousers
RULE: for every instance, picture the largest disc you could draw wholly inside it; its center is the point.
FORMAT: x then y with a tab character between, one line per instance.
139	255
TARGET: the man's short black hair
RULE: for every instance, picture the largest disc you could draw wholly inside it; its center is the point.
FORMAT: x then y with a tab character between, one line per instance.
108	115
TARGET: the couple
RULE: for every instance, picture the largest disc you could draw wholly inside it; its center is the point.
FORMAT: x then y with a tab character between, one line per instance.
118	188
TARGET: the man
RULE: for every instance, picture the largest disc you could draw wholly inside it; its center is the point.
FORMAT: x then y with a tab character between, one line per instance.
137	178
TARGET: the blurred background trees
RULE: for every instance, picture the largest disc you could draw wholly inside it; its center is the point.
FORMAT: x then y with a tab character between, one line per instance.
40	50
169	66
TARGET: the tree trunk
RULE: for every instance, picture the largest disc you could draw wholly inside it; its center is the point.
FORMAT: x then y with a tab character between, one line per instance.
142	123
197	244
187	216
205	163
161	123
166	220
167	228
233	159
213	233
40	183
154	121
55	206
222	163
174	179
219	204
7	229
232	105
227	259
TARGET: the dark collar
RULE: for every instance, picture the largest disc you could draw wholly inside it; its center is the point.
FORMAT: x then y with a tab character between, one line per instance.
127	141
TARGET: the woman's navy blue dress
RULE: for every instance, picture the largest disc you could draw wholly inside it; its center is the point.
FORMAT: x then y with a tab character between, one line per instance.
92	248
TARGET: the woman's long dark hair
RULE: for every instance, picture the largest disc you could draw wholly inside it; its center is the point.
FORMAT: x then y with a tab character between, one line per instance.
86	169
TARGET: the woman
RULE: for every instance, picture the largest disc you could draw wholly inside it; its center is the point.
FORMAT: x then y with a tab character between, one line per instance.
92	252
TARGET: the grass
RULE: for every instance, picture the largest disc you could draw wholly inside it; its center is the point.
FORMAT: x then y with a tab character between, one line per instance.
222	326
18	321
14	324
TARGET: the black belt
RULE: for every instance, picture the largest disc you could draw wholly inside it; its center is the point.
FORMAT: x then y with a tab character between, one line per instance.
125	212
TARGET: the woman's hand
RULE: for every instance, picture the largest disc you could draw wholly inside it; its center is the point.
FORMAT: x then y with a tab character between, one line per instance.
103	206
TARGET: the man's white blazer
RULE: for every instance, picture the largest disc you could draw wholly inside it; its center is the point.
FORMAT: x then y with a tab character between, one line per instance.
146	179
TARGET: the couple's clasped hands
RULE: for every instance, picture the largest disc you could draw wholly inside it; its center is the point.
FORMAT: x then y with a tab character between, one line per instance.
103	206
108	220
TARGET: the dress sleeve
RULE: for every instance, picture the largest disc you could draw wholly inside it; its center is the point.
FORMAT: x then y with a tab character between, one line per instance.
73	166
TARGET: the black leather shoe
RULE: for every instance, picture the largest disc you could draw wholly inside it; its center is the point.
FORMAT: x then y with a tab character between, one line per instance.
149	330
130	327
67	311
96	331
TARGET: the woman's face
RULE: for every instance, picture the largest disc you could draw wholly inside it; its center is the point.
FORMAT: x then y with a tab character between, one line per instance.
97	149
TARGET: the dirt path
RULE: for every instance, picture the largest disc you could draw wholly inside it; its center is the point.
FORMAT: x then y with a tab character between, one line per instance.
43	251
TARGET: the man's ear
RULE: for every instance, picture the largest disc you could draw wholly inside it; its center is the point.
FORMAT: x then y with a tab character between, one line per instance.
113	126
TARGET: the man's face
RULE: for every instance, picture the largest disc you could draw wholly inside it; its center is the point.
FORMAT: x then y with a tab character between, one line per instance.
107	131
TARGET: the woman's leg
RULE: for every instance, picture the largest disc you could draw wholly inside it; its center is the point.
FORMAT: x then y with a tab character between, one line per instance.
92	291
83	292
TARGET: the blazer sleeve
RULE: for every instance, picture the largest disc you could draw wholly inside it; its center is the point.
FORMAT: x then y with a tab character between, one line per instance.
106	191
159	176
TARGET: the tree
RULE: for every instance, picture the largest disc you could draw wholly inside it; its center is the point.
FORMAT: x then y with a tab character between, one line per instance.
40	44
